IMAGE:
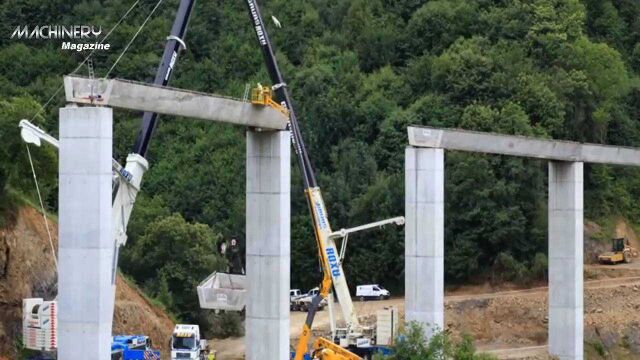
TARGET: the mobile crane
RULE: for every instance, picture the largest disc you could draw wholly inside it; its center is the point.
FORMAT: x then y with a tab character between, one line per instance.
332	272
124	196
127	179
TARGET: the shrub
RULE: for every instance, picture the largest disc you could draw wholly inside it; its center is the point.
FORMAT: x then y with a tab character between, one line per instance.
222	325
411	345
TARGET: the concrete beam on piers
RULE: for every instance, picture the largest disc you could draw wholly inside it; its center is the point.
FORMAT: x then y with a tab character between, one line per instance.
268	245
454	139
85	298
164	100
566	260
424	237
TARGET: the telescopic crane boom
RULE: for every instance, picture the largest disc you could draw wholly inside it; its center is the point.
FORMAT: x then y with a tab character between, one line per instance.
175	42
127	182
325	238
123	197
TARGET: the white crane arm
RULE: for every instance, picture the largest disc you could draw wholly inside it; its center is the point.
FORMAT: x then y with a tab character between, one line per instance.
399	220
126	184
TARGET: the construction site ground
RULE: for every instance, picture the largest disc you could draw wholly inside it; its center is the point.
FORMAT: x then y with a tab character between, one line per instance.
512	323
505	320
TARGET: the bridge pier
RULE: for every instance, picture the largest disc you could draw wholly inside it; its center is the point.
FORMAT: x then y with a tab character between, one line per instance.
268	245
566	259
424	237
85	254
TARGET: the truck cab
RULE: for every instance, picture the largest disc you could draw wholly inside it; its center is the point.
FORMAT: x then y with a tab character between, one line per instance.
294	293
133	347
186	342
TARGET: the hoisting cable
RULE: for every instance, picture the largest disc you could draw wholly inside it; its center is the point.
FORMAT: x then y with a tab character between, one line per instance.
86	58
133	38
44	212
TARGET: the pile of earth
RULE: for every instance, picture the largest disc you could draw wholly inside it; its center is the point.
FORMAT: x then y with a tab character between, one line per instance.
27	269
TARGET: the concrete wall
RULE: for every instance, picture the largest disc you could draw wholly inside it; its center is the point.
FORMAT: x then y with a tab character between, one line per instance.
85	298
268	245
566	259
424	237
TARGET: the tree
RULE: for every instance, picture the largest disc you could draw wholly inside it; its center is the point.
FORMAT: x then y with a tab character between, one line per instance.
173	257
15	170
411	345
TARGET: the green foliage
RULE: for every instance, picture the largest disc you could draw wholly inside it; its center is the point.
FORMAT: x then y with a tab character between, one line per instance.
411	345
171	258
15	170
360	72
598	347
221	325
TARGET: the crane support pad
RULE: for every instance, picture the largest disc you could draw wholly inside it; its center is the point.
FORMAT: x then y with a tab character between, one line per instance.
132	95
523	146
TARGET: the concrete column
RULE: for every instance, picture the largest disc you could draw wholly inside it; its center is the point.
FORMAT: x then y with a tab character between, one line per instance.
424	237
85	298
268	245
565	260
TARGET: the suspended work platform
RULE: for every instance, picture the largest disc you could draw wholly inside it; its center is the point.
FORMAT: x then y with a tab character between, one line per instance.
222	291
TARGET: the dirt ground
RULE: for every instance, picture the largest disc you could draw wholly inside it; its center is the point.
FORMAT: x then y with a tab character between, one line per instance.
134	314
27	269
511	323
506	321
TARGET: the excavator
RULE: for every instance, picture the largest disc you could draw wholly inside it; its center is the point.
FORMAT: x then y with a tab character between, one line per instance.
328	253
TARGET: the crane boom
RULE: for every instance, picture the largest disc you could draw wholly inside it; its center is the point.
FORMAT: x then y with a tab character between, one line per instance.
175	41
124	195
127	183
328	253
136	165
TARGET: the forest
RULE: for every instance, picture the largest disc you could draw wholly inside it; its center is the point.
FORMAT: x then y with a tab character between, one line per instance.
360	72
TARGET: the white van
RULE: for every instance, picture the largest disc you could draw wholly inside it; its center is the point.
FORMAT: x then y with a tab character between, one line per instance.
373	291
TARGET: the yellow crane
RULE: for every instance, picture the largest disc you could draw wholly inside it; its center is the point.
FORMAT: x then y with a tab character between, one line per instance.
332	273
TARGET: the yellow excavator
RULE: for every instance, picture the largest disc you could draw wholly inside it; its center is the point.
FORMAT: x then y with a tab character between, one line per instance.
621	251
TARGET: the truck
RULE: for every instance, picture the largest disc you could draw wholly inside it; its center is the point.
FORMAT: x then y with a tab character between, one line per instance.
294	294
133	347
187	344
303	302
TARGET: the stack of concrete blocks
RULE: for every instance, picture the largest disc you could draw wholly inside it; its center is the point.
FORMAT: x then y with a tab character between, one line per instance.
424	237
268	245
566	260
85	302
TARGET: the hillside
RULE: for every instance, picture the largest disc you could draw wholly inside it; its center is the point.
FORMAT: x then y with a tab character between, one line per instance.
27	270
